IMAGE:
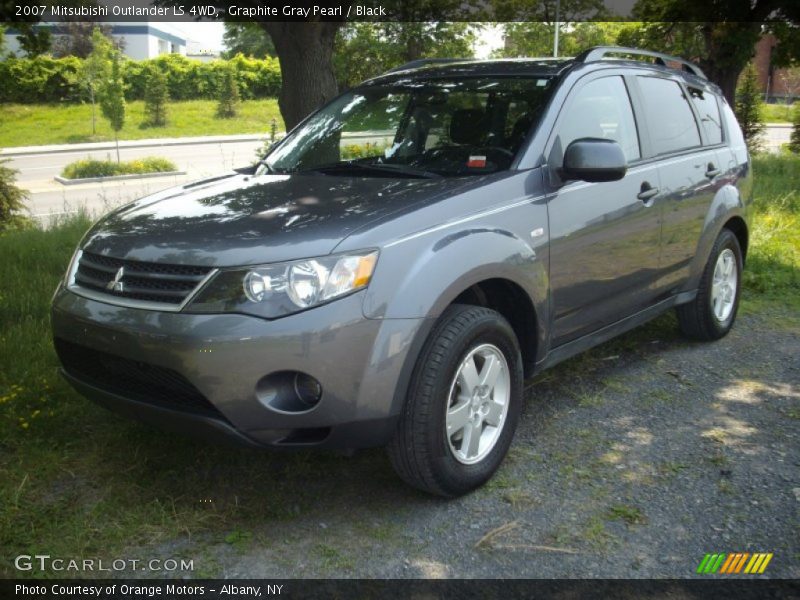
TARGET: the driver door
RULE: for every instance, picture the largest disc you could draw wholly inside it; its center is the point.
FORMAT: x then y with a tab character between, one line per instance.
604	237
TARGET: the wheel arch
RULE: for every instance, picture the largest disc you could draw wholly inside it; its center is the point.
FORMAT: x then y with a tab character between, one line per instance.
510	300
727	211
504	295
738	227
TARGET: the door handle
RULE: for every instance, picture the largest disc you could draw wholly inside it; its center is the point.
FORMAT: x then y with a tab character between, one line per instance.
648	192
712	171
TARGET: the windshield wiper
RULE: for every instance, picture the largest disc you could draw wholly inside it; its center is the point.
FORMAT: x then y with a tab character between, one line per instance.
384	169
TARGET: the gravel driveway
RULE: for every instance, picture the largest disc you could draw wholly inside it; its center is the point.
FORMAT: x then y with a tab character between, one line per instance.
633	460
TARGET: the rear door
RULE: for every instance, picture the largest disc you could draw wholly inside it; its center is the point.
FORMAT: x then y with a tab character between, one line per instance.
689	167
604	237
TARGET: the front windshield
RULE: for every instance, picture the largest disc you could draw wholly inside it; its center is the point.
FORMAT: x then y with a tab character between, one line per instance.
442	127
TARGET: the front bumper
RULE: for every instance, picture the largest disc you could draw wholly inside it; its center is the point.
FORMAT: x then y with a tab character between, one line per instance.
362	365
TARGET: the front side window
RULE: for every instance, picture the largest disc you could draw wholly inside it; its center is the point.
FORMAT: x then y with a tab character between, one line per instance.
602	109
706	105
669	117
443	127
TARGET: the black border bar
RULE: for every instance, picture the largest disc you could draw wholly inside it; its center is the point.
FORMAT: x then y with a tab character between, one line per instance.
389	589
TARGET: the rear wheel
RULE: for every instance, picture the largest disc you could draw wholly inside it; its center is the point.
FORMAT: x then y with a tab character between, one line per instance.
463	403
711	314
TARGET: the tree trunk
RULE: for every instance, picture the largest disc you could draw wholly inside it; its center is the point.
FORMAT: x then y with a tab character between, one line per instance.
116	140
412	33
728	49
305	51
94	118
725	78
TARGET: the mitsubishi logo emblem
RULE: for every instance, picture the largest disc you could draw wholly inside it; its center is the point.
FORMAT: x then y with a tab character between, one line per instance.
116	284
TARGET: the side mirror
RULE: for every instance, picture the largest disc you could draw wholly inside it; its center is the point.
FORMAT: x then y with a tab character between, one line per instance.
594	159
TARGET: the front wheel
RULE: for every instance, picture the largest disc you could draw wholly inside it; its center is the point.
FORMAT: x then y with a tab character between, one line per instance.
711	314
463	404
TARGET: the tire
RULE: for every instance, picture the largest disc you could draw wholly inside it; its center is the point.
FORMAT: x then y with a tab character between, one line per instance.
708	317
421	451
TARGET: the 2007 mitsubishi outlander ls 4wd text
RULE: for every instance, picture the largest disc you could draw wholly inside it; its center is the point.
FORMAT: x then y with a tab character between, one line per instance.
394	267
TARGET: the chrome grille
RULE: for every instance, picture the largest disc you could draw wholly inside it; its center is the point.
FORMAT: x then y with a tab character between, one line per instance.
136	280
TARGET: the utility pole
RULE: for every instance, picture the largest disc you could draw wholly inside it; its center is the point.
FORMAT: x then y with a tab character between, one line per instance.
555	37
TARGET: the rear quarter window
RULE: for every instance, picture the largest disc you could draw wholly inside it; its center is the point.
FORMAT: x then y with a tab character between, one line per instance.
735	135
670	120
706	104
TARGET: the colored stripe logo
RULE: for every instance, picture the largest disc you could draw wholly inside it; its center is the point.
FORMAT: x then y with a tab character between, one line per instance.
735	563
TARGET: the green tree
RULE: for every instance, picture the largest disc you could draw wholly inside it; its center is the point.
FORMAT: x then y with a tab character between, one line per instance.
536	38
2	41
432	39
720	36
748	108
78	38
247	38
96	69
794	139
156	96
12	200
530	26
33	39
228	93
366	49
112	98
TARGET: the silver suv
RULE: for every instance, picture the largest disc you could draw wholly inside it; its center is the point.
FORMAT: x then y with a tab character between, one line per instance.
391	271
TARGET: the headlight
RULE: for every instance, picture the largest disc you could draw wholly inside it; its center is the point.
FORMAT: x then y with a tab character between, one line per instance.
273	291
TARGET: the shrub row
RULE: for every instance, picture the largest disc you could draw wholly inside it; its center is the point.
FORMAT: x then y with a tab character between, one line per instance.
106	168
47	79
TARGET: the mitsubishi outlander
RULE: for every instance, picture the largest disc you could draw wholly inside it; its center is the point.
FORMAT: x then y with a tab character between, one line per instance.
392	270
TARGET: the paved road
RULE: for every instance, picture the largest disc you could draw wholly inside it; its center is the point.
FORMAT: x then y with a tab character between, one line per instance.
776	135
50	198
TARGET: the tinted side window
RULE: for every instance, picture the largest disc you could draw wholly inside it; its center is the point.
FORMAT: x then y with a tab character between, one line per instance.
706	105
669	117
734	131
602	109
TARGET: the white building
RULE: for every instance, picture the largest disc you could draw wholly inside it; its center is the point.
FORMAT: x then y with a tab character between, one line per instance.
200	51
142	40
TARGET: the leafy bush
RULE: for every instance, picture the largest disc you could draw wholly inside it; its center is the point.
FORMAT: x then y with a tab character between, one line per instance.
105	168
41	79
748	109
794	139
228	94
12	200
155	99
351	151
47	79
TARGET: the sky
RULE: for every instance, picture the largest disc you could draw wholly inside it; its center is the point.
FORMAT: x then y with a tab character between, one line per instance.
208	36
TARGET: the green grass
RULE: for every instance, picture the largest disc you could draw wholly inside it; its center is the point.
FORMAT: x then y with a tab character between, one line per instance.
39	124
629	514
777	113
76	480
773	262
107	168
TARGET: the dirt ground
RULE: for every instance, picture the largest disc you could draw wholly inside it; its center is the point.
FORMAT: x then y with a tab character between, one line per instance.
632	460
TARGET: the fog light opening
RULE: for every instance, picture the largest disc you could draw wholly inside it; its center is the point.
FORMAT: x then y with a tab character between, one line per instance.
308	389
289	391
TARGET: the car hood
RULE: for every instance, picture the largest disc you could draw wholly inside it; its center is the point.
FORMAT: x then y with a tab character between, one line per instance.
242	220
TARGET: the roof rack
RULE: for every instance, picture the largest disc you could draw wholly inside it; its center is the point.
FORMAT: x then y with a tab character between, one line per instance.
423	62
600	52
